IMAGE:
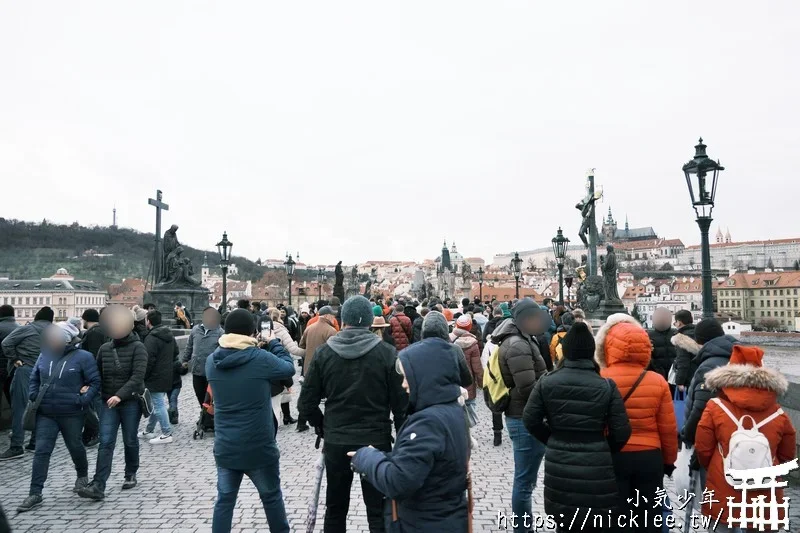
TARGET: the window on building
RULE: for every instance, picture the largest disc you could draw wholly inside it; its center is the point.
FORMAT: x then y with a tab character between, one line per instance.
781	291
761	293
769	313
768	303
47	299
752	303
762	313
752	313
781	303
774	292
795	292
775	303
795	303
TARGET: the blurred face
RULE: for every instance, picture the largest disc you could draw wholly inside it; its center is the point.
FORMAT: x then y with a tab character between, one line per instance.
54	339
532	325
119	322
211	318
662	319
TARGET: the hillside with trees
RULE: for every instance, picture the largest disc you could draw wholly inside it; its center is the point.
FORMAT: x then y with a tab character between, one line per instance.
30	250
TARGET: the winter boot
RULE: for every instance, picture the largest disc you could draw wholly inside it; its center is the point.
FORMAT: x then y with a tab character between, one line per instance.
173	416
287	415
498	438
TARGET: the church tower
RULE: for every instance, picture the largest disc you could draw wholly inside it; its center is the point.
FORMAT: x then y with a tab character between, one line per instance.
446	257
609	229
728	236
204	269
719	238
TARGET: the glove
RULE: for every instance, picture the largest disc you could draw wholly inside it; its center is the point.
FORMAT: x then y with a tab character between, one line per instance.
668	470
319	431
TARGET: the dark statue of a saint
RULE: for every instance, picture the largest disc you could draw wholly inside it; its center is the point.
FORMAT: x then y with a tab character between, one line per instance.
608	265
177	270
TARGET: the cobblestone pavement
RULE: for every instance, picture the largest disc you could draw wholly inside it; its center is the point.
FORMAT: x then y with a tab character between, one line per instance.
177	486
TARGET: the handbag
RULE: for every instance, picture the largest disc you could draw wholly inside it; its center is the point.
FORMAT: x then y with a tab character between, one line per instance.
472	415
144	398
29	416
672	375
679	404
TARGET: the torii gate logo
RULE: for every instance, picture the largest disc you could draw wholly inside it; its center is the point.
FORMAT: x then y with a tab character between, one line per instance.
761	512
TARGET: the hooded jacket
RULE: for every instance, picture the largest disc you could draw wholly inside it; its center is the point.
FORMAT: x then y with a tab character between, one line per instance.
7	325
402	331
426	473
490	326
472	354
744	390
93	339
202	343
623	352
713	354
521	364
123	375
239	374
581	418
71	371
418	328
162	353
24	343
314	336
663	351
685	351
355	371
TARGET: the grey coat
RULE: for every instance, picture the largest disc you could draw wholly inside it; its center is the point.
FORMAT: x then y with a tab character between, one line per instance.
202	343
25	343
7	325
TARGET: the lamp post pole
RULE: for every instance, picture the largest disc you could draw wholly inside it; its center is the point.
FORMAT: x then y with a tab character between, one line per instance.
560	245
320	279
517	267
224	248
480	283
289	264
705	246
560	283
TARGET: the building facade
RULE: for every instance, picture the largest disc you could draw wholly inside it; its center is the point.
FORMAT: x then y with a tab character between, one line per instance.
728	255
67	296
767	299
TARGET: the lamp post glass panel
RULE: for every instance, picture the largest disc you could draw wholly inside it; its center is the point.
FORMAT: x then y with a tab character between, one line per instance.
698	172
224	248
480	282
516	265
320	279
560	245
289	264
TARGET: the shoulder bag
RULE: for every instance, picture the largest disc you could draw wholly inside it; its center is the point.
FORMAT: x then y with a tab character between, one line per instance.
29	416
636	384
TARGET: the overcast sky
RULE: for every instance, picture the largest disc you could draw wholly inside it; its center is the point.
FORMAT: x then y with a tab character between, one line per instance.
373	130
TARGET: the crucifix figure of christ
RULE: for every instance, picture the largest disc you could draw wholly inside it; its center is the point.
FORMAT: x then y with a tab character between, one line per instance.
158	256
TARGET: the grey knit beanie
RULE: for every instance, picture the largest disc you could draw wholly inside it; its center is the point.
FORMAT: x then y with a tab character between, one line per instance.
357	312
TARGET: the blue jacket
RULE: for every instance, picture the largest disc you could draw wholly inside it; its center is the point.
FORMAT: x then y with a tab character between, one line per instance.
427	470
244	431
64	397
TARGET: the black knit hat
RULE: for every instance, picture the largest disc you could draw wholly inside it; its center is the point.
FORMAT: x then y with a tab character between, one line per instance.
578	343
45	313
240	322
707	329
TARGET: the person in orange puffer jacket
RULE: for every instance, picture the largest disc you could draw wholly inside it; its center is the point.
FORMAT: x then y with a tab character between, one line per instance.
623	351
745	388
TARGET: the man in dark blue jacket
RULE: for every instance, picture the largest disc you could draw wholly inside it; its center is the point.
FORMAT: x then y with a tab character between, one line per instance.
244	442
74	381
22	348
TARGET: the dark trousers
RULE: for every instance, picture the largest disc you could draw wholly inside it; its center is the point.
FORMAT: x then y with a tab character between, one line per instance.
47	430
497	421
19	401
268	484
126	415
642	471
200	384
337	496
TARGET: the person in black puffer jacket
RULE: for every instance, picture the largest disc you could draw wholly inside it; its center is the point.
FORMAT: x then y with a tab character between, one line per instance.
582	419
686	350
122	364
663	354
491	325
162	351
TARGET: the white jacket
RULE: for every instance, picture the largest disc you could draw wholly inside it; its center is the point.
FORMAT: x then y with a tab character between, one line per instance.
287	341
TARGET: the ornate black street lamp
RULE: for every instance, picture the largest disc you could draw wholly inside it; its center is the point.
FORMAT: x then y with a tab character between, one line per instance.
224	248
516	265
560	245
320	279
289	264
698	171
480	281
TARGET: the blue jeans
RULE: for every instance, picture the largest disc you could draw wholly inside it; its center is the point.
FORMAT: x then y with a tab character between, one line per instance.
173	399
268	484
159	414
528	454
19	400
126	414
47	429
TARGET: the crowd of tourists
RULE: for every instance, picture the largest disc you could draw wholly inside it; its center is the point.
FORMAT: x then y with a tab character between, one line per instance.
391	389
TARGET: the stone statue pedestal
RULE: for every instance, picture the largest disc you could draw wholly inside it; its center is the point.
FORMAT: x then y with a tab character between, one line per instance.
598	317
195	299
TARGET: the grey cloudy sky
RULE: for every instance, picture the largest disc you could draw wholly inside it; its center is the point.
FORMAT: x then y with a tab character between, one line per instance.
372	130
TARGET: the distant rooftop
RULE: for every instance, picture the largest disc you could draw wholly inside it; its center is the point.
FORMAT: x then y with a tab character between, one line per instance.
50	285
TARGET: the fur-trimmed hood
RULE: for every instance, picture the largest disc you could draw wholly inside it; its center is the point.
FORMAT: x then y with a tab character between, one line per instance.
633	346
747	376
685	342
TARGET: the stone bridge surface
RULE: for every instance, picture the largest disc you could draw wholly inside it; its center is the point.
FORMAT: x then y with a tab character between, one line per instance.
177	486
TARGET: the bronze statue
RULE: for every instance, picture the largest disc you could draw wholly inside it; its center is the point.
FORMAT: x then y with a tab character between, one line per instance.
586	207
338	287
608	265
466	273
178	269
581	270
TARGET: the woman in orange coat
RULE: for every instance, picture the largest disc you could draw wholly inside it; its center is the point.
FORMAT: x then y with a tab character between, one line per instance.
623	353
745	388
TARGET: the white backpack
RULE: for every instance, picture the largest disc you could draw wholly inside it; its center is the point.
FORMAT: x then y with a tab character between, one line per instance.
747	448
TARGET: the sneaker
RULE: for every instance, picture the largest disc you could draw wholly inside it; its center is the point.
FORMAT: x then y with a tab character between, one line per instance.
31	447
146	435
129	483
80	483
12	453
34	500
91	443
92	491
163	439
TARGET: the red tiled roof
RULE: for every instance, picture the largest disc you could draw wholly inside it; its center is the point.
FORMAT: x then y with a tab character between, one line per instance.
762	280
